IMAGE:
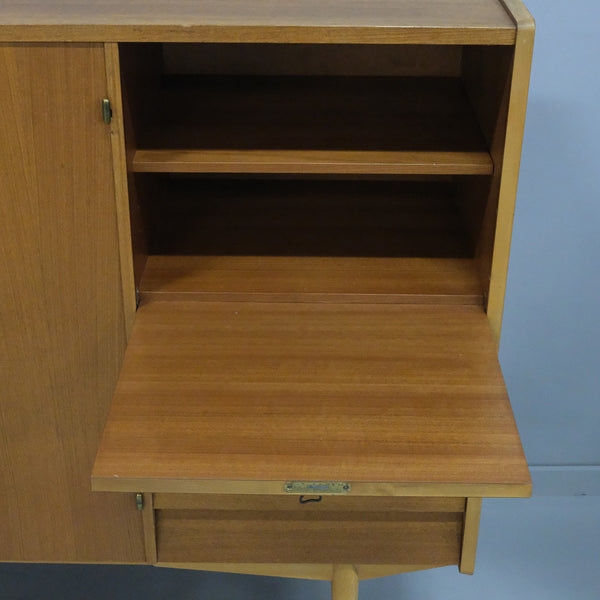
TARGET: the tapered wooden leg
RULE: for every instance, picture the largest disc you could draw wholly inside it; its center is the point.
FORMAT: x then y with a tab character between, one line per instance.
344	585
470	534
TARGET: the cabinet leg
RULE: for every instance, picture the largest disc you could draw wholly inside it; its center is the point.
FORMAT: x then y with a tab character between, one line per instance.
344	585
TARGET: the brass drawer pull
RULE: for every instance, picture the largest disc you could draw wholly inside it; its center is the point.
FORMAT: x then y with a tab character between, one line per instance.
305	500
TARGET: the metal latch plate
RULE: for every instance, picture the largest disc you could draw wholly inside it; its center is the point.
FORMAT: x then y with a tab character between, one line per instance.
317	487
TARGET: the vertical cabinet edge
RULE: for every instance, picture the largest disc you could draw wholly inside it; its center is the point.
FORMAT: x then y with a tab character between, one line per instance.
511	159
117	136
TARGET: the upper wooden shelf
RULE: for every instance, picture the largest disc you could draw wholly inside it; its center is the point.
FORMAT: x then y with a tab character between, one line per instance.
311	124
301	21
242	397
317	162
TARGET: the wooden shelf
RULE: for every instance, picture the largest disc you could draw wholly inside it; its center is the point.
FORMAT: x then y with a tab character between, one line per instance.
298	161
251	395
302	124
309	279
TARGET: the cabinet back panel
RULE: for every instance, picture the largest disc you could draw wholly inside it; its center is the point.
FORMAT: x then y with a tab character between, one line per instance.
306	218
312	59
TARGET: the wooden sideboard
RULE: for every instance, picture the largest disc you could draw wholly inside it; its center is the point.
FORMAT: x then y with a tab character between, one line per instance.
253	261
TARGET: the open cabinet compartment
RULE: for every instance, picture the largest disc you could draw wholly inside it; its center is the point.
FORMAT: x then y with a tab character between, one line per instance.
294	153
271	109
306	239
312	242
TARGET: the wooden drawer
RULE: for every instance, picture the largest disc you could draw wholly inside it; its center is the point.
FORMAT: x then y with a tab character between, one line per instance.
279	529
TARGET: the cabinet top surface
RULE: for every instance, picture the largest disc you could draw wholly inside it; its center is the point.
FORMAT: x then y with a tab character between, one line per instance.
352	21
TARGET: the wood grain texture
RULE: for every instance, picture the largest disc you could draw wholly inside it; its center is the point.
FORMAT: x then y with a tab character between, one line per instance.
361	393
307	161
511	160
303	537
117	130
306	279
291	502
316	21
470	536
62	333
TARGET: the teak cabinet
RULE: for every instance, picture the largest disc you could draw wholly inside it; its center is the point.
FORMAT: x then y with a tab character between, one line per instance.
276	235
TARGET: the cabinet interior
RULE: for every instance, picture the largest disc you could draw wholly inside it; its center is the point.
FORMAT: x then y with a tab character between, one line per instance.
359	165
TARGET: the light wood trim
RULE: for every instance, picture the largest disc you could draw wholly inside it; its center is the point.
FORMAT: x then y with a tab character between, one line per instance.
470	536
148	518
309	279
117	136
316	572
519	14
376	571
511	159
344	583
312	161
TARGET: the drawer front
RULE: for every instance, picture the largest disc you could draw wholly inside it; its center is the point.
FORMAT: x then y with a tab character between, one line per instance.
279	529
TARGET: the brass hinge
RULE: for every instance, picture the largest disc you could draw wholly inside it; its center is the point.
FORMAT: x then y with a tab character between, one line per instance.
139	501
106	111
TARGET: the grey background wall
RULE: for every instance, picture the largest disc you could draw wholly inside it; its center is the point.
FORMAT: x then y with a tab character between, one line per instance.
550	346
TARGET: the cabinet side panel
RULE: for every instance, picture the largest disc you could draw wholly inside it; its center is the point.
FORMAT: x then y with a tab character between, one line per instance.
511	160
62	331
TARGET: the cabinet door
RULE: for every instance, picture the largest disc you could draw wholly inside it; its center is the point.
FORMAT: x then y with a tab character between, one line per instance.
62	332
